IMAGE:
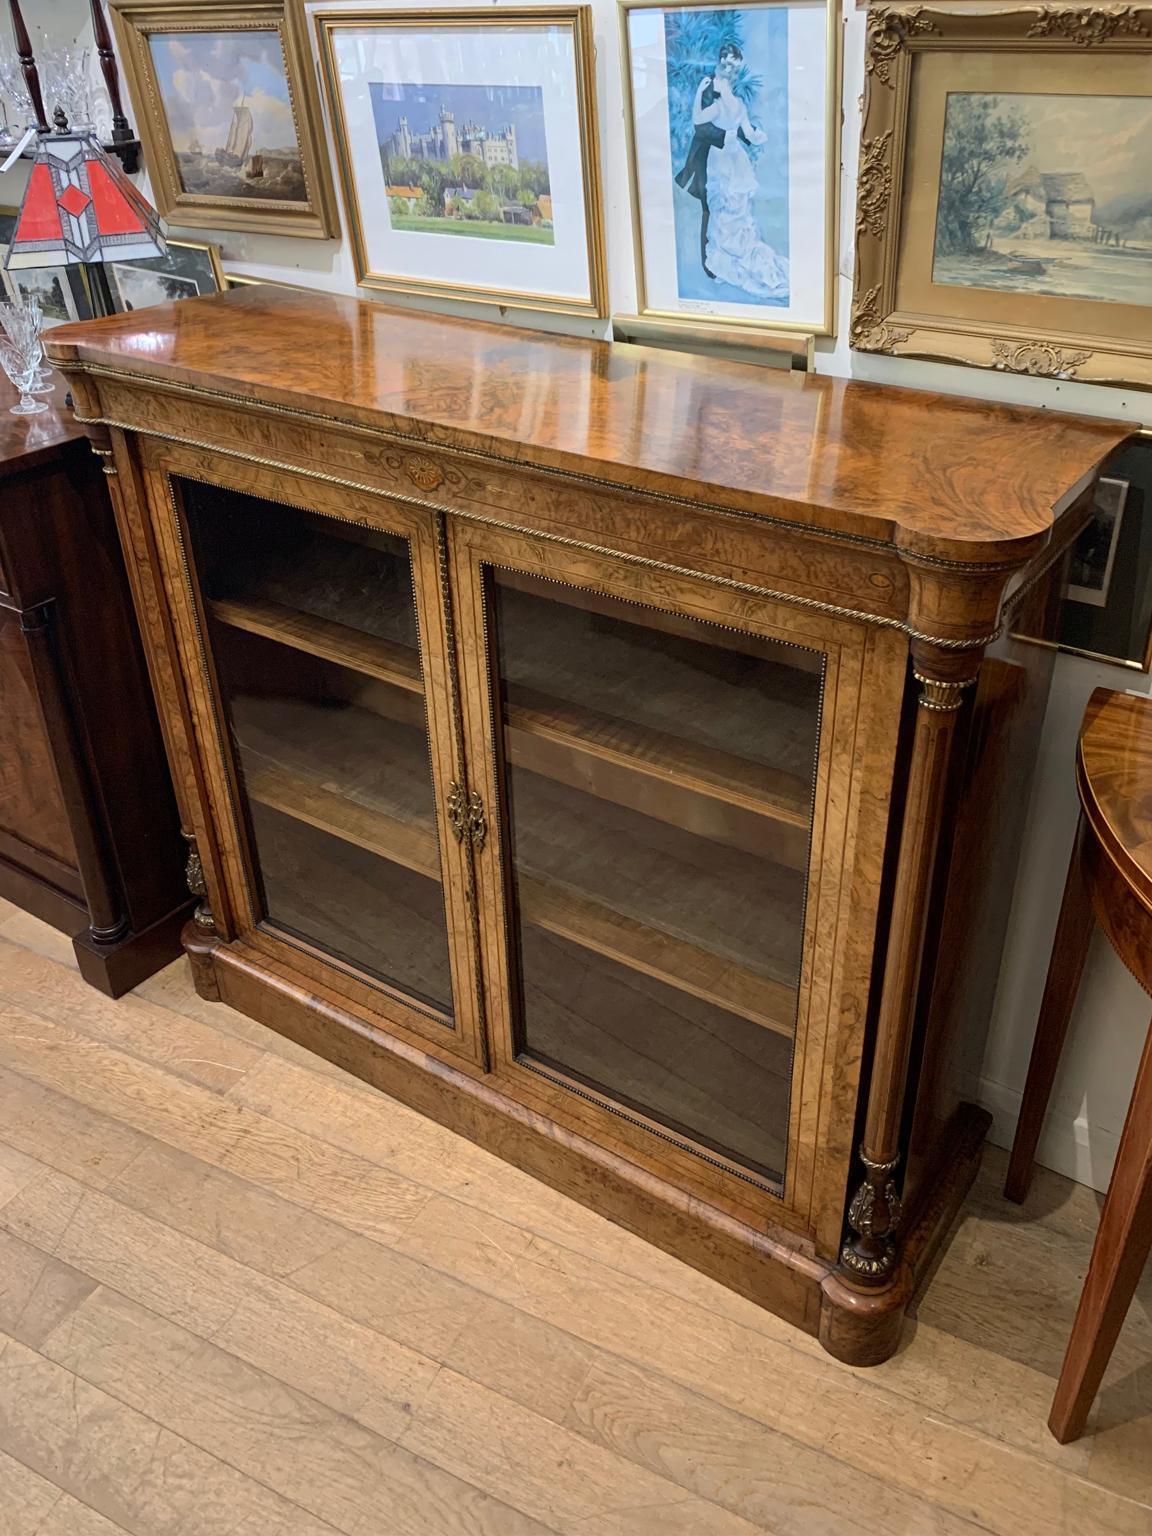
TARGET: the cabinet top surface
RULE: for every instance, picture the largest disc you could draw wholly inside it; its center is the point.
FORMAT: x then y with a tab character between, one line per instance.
1115	773
25	441
933	473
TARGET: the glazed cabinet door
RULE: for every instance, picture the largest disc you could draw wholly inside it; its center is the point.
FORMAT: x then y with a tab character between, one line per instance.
311	628
685	791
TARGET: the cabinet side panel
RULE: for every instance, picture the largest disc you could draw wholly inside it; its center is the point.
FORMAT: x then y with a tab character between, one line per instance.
31	809
115	718
975	884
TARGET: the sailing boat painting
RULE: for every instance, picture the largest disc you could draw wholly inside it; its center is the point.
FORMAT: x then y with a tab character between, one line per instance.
229	113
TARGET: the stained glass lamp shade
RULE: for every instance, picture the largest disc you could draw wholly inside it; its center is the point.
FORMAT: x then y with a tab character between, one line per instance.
80	207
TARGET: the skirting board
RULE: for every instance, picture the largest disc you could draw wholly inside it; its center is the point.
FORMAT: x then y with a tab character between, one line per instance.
1075	1148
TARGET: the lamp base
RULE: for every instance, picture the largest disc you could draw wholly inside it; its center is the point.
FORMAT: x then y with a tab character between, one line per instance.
99	290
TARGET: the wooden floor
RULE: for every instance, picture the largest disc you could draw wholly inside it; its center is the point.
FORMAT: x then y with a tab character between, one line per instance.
243	1295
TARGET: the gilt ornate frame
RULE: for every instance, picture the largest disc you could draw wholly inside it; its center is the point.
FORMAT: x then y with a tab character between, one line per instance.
1045	44
136	22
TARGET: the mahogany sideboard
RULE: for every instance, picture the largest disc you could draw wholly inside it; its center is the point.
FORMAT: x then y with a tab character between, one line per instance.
618	756
89	836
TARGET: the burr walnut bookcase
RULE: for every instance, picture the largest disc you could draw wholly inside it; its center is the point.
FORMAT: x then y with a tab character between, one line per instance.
619	757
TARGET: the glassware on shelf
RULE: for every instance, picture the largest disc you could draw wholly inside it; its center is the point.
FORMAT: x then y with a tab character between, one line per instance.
22	352
45	384
67	84
15	103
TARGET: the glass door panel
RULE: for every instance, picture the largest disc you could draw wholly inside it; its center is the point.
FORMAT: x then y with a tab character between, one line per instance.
313	634
659	776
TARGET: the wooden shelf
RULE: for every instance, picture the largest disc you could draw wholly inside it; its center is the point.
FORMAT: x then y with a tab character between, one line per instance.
701	790
386	809
715	1079
635	766
369	654
665	958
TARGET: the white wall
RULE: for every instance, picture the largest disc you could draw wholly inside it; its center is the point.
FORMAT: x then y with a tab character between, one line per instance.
1111	1019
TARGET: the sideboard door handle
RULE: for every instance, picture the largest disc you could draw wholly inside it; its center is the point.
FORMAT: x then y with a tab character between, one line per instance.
477	820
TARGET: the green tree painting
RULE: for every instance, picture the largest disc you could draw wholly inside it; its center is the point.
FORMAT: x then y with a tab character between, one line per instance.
983	141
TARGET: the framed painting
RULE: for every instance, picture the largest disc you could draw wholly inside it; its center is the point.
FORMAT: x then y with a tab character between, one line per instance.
229	113
468	155
733	142
1004	213
1107	609
1094	556
189	268
62	291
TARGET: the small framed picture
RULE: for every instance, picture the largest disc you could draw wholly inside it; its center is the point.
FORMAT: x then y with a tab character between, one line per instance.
733	122
1107	610
189	268
62	291
1094	556
467	150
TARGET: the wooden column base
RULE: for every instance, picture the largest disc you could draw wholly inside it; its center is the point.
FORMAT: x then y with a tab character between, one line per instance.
862	1324
117	967
775	1269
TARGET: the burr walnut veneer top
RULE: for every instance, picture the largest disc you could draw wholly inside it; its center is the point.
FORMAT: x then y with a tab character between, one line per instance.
1115	777
933	474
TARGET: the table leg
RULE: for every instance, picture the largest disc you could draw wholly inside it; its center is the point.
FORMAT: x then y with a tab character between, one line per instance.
1122	1246
1069	951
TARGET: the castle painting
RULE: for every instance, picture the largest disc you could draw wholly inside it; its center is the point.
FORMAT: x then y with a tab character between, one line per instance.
229	114
465	160
1044	194
444	142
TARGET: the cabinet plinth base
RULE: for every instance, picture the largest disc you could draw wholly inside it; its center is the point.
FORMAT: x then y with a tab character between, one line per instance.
118	967
861	1324
775	1269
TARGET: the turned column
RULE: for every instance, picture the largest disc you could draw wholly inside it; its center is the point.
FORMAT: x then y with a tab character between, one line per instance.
28	65
869	1255
123	139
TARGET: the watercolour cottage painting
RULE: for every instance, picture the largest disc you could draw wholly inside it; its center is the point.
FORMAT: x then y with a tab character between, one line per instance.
465	160
728	121
229	114
1047	195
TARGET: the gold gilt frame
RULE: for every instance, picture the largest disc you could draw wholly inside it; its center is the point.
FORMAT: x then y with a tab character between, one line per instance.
136	22
897	309
736	330
210	249
579	19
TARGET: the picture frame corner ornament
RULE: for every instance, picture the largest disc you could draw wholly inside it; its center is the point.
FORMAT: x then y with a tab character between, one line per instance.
888	34
869	331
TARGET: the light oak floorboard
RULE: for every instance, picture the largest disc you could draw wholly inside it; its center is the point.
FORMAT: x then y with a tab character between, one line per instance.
123	1465
238	1241
32	1506
321	1460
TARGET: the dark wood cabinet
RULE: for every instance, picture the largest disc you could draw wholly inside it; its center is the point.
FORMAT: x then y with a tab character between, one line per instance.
618	756
89	835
